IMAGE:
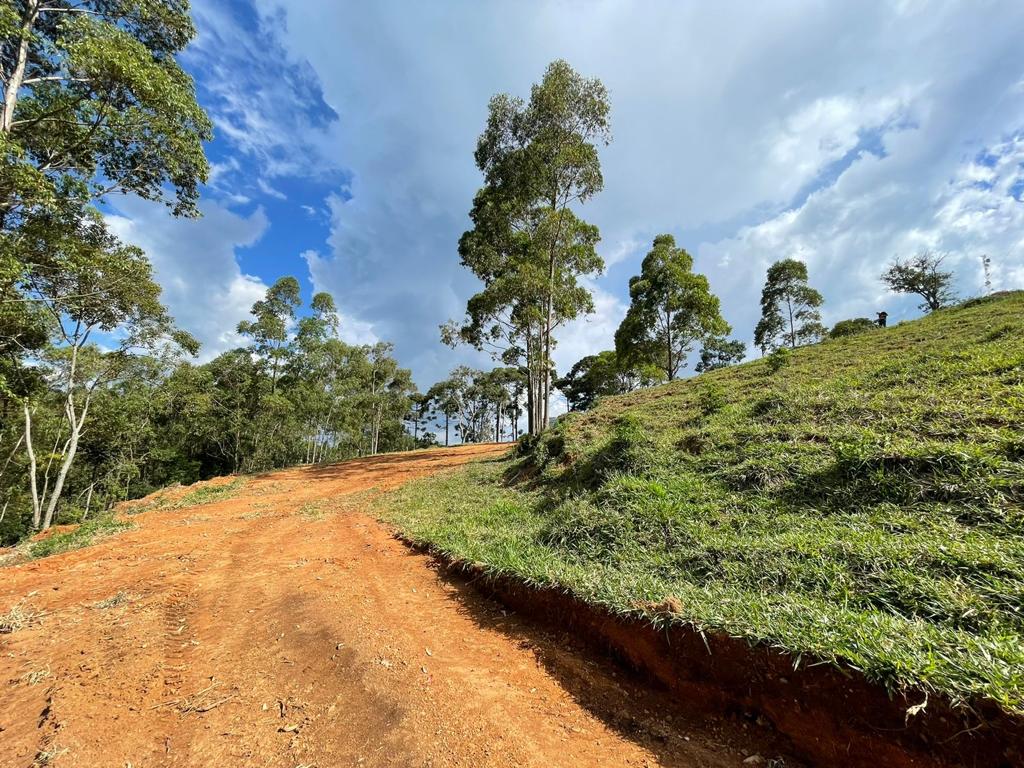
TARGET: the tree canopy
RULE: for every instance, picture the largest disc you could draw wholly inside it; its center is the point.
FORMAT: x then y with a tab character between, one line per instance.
671	309
922	275
789	308
602	374
720	352
94	102
539	157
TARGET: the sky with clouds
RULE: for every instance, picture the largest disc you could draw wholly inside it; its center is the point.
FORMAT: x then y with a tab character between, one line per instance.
842	134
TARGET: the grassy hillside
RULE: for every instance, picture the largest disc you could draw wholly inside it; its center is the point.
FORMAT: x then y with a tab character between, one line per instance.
860	501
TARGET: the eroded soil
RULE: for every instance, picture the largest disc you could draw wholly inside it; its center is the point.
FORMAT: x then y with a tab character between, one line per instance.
281	626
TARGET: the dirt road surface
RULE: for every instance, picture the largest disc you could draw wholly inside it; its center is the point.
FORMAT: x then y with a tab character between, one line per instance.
281	626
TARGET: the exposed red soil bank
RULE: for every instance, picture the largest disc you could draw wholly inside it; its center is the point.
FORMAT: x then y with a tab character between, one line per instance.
281	627
830	717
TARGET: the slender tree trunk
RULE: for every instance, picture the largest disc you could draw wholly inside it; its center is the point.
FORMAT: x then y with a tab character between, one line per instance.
668	335
36	508
446	430
69	458
529	382
18	73
546	362
10	456
792	330
375	437
88	502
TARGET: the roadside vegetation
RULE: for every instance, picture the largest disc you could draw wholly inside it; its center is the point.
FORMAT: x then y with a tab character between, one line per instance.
66	539
859	501
78	536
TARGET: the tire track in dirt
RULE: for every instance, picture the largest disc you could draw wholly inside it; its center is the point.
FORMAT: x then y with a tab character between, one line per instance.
278	628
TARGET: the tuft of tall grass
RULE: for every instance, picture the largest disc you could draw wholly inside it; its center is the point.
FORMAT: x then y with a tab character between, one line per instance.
82	535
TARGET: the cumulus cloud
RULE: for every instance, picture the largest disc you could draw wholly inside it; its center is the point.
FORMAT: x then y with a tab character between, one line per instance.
195	262
879	209
839	134
264	101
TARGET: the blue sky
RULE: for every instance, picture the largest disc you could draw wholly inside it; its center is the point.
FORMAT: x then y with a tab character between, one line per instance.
838	133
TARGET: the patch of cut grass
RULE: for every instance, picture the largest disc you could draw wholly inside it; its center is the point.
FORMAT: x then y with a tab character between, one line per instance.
20	616
861	503
204	494
313	510
81	535
208	494
37	676
113	601
349	502
49	754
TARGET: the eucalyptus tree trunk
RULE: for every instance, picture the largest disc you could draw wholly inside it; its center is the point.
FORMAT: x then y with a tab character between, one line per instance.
76	420
17	75
33	487
792	326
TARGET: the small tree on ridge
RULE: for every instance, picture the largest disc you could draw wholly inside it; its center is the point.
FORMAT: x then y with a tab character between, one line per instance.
789	308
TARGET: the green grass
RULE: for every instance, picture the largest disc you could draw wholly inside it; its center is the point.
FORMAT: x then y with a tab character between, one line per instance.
204	494
82	535
860	501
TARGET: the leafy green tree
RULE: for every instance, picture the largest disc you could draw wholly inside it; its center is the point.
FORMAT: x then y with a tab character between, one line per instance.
922	275
386	394
719	352
851	327
474	404
269	331
445	397
420	412
314	370
94	102
671	310
602	374
88	282
539	158
789	308
500	389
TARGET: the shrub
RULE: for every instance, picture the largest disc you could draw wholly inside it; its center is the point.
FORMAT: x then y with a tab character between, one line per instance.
778	359
851	327
711	399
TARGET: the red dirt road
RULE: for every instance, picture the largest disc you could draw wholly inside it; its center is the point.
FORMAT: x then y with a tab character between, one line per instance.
283	627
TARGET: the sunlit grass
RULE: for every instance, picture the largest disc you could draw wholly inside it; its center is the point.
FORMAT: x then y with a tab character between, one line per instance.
861	503
79	536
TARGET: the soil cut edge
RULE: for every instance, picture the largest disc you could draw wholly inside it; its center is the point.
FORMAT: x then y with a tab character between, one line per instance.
830	715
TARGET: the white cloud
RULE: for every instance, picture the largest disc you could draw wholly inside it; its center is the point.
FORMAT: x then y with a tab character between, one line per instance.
841	134
848	232
195	262
798	147
623	250
262	99
268	190
587	335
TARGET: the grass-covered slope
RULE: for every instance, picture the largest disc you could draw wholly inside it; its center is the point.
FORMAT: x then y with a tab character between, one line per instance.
861	502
